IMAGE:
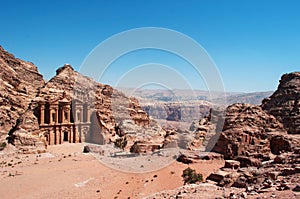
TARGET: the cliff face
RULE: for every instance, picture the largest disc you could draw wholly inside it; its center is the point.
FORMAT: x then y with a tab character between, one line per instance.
284	104
20	82
178	111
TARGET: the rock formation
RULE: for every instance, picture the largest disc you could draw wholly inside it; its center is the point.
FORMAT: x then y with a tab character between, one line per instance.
247	131
177	111
20	82
111	108
23	90
284	104
259	141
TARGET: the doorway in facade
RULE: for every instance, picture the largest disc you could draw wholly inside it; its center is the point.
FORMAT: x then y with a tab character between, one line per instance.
66	135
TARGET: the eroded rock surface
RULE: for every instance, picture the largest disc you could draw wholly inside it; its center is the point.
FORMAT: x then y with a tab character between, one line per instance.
284	104
247	131
20	82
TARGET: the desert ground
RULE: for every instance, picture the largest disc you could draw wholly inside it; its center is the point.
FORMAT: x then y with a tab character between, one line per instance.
66	172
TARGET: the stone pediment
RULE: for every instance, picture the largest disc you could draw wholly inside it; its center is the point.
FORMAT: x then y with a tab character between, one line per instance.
64	100
77	101
55	101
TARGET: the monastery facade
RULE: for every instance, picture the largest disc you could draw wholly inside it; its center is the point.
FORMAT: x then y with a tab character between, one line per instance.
64	120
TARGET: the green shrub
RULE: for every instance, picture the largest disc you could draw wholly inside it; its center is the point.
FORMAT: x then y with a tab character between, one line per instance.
191	177
2	146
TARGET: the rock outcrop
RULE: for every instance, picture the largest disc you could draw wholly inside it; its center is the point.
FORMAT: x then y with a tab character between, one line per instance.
20	82
26	135
279	173
257	137
284	104
206	131
247	131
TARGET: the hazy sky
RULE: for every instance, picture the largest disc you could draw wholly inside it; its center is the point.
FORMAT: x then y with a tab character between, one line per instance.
252	42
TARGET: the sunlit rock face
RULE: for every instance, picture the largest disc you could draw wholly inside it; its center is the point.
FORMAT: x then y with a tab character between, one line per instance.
284	104
20	81
247	131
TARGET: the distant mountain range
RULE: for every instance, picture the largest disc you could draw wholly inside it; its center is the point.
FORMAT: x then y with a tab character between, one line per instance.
180	95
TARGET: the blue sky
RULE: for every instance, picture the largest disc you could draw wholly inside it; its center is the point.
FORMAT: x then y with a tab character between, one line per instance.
252	42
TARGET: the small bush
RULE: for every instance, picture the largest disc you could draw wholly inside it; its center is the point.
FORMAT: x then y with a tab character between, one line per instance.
2	146
191	177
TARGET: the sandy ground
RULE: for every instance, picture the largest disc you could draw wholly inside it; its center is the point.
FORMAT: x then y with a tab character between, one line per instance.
65	172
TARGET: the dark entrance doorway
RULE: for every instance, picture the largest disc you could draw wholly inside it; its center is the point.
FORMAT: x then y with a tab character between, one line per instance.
66	136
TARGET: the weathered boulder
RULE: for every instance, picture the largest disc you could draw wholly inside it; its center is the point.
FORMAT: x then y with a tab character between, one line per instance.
279	159
232	164
248	161
279	144
218	176
184	159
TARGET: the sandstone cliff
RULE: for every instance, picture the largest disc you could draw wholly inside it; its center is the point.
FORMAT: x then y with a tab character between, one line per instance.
255	131
20	81
247	131
284	104
177	111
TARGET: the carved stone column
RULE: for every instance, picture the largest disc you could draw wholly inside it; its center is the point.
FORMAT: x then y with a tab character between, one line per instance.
75	134
88	113
59	136
51	118
42	113
68	119
62	114
81	114
56	114
51	138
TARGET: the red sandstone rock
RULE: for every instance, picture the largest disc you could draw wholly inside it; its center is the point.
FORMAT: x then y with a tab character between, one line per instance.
284	104
246	131
20	81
